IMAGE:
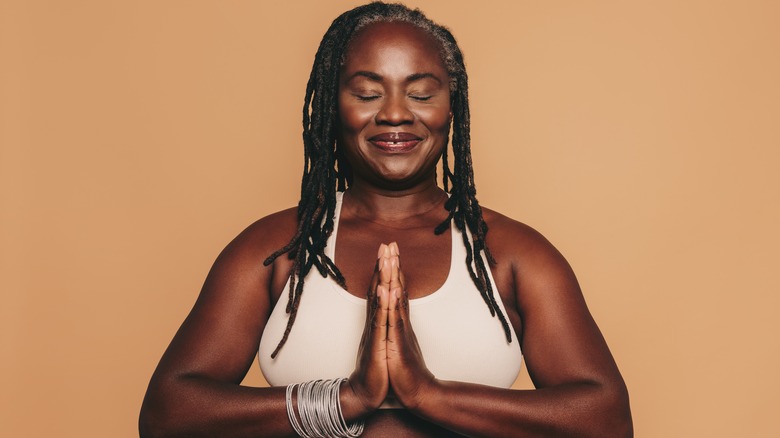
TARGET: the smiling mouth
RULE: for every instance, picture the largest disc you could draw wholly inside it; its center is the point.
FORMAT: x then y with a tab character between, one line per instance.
395	142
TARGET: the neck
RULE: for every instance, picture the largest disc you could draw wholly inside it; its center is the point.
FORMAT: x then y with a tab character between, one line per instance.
370	202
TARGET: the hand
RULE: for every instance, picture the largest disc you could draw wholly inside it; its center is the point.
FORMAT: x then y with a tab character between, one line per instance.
410	379
369	382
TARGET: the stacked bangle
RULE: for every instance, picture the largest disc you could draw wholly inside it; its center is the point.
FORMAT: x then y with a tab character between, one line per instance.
319	410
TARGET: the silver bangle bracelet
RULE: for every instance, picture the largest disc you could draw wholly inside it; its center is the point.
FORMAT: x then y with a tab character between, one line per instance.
319	409
291	412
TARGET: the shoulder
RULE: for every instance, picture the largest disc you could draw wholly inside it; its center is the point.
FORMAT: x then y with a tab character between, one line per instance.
535	263
512	238
247	251
268	233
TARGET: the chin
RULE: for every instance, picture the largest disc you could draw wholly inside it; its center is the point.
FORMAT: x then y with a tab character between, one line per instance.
396	175
400	180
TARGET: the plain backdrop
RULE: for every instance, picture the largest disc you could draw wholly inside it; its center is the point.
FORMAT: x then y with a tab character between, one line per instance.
641	137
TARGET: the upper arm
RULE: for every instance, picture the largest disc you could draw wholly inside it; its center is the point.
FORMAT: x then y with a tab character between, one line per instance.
220	336
560	340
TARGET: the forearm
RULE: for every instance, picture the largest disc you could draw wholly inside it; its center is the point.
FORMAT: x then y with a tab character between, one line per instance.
576	409
195	406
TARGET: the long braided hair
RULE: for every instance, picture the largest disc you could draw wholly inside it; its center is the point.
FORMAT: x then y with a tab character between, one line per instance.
325	170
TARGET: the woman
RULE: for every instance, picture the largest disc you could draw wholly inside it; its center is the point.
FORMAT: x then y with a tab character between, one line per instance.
421	344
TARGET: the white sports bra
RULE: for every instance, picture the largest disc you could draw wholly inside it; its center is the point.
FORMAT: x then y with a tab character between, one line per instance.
459	339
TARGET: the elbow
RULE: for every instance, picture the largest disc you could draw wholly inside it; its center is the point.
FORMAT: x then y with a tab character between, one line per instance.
153	423
148	427
150	423
157	419
605	412
616	413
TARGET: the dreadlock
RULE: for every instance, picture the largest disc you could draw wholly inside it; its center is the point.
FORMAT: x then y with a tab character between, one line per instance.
325	170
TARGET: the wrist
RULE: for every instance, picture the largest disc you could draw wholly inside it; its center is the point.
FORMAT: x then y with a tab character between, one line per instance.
353	406
428	396
320	410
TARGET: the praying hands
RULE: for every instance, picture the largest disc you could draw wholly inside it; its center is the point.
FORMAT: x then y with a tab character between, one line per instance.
389	358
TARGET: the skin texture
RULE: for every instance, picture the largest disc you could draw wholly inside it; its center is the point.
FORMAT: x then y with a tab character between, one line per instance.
393	204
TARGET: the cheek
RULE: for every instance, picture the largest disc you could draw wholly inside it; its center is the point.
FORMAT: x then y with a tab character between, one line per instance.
437	119
353	117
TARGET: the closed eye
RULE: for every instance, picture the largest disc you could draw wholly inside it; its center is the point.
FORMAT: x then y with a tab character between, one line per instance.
367	97
420	98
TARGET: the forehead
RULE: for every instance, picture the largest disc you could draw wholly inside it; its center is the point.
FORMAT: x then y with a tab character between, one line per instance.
393	44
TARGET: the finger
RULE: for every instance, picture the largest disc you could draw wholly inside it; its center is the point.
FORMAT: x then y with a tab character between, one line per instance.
384	305
379	323
380	260
372	314
372	299
385	270
395	323
394	248
404	297
395	270
372	305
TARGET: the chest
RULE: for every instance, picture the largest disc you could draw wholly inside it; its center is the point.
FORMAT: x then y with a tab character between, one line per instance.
454	329
426	261
425	256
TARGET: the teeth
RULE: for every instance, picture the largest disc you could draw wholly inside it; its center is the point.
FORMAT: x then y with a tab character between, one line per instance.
394	143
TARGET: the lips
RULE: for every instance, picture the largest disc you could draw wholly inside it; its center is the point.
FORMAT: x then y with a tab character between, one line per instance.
395	141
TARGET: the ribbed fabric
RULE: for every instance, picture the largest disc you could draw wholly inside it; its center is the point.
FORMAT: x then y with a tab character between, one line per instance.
459	339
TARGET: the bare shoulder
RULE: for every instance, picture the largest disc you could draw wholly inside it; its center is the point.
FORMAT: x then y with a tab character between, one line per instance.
509	238
538	270
268	233
264	236
240	267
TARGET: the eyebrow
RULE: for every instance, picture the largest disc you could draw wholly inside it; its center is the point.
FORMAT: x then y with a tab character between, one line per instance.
379	78
418	76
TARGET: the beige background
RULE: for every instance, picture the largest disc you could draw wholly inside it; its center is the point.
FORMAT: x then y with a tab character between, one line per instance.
139	137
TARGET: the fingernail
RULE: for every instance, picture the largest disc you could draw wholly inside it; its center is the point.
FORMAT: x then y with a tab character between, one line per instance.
387	251
394	249
381	251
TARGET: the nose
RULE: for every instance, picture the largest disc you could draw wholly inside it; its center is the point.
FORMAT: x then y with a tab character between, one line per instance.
394	111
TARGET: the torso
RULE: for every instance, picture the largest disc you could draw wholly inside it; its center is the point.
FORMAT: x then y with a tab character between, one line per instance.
421	276
357	240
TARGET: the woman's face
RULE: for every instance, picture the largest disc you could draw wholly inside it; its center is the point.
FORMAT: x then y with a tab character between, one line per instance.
394	105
